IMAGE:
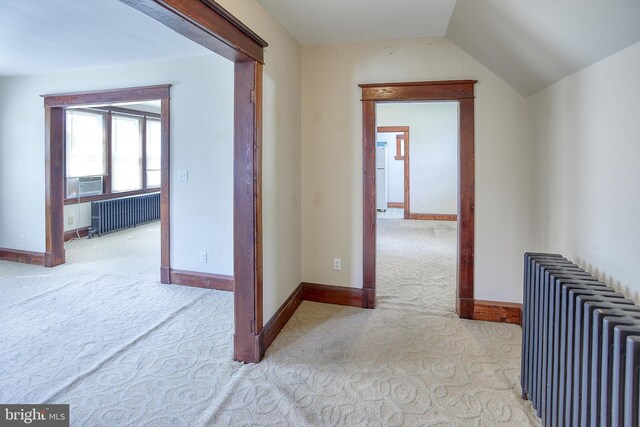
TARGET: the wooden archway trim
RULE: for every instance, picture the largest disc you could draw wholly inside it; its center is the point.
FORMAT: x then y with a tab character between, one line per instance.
461	91
208	24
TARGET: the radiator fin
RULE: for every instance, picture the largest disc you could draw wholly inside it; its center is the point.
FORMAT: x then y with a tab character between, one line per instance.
580	346
124	212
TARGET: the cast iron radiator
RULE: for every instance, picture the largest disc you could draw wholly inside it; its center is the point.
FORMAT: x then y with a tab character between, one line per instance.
580	346
124	212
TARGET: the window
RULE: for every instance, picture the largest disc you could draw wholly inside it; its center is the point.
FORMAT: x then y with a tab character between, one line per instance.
126	153
153	152
85	147
109	151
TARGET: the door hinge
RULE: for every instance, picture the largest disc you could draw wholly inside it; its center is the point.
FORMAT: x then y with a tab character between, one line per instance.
252	96
253	326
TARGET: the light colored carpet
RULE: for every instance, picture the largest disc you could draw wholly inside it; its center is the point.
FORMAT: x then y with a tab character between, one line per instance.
123	349
409	362
102	334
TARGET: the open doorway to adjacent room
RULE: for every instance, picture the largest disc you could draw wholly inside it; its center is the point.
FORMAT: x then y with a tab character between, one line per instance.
102	315
440	189
416	204
112	179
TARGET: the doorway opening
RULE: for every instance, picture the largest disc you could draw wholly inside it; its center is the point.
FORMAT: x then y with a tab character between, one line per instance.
416	200
395	200
211	26
112	172
99	148
462	93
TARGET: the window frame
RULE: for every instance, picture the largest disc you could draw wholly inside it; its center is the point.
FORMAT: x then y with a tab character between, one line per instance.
107	192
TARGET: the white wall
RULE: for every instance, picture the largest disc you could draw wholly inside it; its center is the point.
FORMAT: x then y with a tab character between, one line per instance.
201	141
281	153
332	157
79	214
433	148
584	149
395	168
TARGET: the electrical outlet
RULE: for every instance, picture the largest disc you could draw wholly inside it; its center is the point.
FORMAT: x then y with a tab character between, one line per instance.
183	175
203	257
22	237
70	220
337	264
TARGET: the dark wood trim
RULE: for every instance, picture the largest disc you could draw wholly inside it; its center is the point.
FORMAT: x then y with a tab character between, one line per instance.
466	201
419	91
99	197
399	142
433	217
407	175
54	185
339	295
314	292
206	23
107	96
392	129
26	257
497	311
407	164
369	191
165	275
165	191
273	327
54	163
395	205
219	282
457	90
464	307
73	234
247	215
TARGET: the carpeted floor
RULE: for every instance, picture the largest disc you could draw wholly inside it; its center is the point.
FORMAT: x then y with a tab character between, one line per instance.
123	349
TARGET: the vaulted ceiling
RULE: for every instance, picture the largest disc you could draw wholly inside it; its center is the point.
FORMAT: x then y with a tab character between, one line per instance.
44	36
530	44
337	21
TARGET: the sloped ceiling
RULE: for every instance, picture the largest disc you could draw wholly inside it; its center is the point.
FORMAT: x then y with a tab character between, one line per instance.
43	36
338	21
531	44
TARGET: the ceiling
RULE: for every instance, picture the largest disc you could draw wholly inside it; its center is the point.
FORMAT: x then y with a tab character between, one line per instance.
530	44
44	36
337	21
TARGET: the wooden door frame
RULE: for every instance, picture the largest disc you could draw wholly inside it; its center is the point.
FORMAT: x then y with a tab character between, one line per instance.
407	185
461	91
54	112
210	25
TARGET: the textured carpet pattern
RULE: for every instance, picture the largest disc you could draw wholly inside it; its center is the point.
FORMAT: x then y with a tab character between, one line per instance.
124	350
102	334
409	362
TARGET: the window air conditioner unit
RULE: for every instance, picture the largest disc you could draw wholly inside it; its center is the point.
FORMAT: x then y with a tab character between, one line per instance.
89	185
